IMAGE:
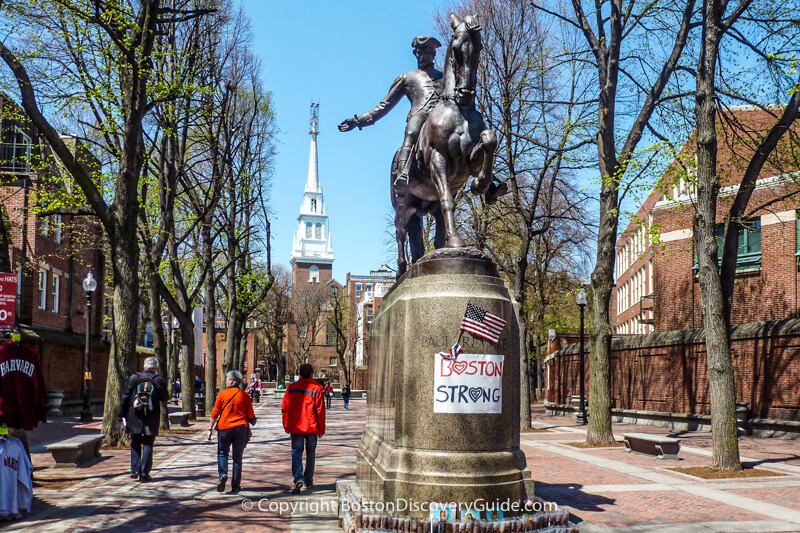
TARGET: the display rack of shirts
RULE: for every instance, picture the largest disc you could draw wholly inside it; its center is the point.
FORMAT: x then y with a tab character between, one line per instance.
23	395
16	483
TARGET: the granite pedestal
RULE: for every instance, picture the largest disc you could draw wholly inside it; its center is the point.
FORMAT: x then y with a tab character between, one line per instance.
408	452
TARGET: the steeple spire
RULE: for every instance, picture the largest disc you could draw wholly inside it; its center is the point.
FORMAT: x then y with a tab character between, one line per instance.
312	242
312	184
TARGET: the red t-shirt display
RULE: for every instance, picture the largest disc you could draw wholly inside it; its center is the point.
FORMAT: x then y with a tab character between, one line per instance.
23	398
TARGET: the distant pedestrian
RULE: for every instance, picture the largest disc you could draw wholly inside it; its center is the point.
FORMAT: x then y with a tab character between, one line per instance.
232	414
346	396
304	419
139	410
177	389
198	385
328	395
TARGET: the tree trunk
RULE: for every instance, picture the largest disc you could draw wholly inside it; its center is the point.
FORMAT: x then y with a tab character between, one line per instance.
600	430
158	343
187	369
125	264
722	388
211	323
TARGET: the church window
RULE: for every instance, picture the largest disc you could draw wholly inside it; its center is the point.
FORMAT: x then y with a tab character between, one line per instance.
314	206
318	231
331	334
313	274
308	230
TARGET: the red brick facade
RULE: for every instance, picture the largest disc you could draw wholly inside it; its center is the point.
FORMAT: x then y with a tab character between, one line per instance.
55	253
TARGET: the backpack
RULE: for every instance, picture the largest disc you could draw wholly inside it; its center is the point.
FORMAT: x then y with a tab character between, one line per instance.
143	395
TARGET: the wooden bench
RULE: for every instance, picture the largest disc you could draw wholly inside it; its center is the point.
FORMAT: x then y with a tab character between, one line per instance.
75	450
180	417
647	443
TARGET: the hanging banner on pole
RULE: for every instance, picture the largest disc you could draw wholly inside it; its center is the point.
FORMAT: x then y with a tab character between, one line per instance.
8	300
472	384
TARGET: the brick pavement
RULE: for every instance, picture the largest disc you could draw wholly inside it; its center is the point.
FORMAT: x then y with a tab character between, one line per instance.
607	490
183	496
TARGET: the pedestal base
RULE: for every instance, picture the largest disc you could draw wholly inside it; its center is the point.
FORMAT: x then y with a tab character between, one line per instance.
408	452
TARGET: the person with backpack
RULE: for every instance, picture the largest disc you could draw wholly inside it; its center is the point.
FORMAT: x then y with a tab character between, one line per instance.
346	396
232	416
139	412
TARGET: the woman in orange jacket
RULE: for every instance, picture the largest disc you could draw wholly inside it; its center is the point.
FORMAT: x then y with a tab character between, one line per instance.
232	413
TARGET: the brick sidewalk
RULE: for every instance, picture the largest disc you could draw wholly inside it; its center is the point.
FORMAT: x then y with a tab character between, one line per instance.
183	496
612	491
606	489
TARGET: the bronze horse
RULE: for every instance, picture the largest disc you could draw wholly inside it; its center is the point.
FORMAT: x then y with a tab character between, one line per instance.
453	145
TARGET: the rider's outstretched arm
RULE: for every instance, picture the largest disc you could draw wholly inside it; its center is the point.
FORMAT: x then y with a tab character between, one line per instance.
396	93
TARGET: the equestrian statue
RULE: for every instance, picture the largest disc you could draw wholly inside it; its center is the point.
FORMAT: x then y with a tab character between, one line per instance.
446	141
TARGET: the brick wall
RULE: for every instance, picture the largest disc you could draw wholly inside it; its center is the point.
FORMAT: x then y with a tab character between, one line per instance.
667	371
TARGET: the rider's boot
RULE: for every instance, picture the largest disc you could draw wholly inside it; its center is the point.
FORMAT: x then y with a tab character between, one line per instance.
403	164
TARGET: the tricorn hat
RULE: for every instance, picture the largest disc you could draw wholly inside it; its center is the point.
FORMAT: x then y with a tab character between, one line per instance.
424	41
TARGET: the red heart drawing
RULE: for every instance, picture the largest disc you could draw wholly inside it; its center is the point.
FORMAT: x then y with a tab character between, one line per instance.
458	366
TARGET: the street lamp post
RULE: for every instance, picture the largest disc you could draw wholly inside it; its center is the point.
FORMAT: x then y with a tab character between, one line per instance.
580	299
89	285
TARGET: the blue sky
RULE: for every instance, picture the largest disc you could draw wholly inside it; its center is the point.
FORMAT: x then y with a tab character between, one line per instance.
344	55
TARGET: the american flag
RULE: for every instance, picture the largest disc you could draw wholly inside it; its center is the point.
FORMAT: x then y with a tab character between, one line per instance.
455	351
482	323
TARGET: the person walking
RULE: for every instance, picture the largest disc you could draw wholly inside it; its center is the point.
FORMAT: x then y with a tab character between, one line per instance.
232	414
328	395
346	396
304	419
139	413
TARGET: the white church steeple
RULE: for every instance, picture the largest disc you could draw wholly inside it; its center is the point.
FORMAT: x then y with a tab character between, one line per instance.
312	240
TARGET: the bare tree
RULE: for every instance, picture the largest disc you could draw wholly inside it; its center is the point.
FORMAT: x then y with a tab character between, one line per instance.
105	54
309	305
618	35
765	31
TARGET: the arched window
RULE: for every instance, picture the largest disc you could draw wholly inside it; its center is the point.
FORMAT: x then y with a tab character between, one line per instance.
308	230
313	205
313	275
318	231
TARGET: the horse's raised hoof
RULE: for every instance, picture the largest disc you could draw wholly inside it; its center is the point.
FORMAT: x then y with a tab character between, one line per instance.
478	187
496	190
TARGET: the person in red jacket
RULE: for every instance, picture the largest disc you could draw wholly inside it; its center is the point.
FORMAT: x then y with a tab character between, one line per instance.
303	411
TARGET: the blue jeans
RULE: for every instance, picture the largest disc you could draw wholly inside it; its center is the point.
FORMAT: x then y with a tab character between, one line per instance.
237	437
299	440
346	402
142	453
328	401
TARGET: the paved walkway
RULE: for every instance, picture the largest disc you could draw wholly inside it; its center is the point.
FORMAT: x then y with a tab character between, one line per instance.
182	495
611	490
606	490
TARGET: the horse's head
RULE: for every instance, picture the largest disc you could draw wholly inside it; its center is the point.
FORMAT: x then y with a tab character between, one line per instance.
462	59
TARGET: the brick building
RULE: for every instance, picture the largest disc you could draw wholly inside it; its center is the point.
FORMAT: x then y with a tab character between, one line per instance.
51	256
658	361
366	293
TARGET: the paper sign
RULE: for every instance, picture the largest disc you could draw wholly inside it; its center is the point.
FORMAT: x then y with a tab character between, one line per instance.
471	384
8	300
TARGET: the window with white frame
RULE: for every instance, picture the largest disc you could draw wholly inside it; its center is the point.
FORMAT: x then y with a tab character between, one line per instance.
57	228
313	274
358	290
42	288
308	230
56	292
44	226
318	231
